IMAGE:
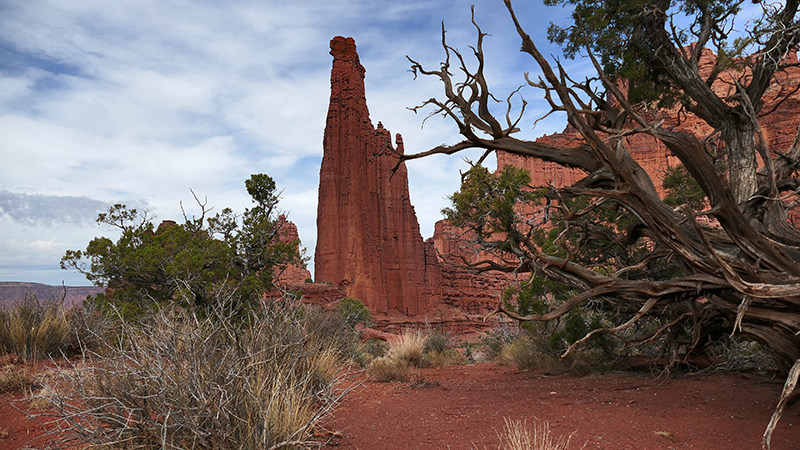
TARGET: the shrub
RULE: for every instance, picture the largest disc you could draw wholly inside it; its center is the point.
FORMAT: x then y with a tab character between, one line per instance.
406	352
354	311
449	357
532	353
230	258
438	341
517	436
189	381
733	353
367	351
499	337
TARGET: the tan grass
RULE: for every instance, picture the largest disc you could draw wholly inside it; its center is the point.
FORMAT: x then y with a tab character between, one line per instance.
34	328
17	380
409	348
387	369
518	436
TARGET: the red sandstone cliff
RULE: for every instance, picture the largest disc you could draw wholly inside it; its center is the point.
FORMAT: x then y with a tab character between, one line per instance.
779	127
368	238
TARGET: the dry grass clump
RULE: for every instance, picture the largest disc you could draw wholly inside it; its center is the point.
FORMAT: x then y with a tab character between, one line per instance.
34	328
412	350
386	369
405	353
526	355
517	436
16	380
409	348
213	382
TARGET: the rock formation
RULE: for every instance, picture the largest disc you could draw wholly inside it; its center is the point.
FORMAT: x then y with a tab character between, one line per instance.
368	238
778	122
292	273
369	244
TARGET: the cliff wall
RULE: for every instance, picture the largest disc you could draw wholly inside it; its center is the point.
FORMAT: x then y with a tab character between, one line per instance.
779	123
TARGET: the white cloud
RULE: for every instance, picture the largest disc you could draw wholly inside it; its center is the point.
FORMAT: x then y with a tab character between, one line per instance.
136	101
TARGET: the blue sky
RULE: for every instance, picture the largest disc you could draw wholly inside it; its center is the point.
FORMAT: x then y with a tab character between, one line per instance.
138	102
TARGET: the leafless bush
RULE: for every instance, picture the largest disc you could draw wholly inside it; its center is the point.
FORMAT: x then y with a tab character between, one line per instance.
185	381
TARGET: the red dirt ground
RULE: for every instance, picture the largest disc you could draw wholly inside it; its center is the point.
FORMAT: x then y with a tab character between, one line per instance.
463	407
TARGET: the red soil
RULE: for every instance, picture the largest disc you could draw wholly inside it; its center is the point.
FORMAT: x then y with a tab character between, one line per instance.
16	429
463	407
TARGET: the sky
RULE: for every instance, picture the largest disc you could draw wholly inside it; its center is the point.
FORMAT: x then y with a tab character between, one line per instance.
141	102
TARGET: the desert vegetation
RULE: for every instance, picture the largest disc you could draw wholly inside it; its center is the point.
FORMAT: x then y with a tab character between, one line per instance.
229	258
185	349
518	435
180	380
414	349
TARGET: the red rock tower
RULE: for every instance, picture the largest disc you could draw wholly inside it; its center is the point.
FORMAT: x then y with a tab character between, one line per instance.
368	238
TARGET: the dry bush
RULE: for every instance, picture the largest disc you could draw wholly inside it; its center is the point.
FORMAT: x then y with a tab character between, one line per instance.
409	348
498	338
184	381
438	341
367	351
527	354
517	436
446	358
387	369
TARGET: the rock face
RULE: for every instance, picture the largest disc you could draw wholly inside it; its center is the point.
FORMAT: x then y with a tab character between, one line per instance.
368	238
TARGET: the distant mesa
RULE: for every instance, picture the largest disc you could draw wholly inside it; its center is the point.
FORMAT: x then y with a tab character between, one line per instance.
13	291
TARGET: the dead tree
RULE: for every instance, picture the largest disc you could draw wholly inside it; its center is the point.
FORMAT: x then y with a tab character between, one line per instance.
737	261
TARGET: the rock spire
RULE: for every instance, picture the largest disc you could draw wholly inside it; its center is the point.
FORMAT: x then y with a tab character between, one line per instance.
368	238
